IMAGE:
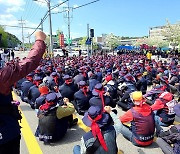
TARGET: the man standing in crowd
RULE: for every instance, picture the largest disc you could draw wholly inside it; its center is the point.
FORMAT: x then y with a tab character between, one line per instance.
10	129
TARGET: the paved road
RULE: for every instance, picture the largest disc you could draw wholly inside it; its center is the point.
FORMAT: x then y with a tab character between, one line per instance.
72	138
31	144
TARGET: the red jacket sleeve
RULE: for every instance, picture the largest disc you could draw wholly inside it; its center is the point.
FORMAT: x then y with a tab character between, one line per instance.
158	104
15	71
127	117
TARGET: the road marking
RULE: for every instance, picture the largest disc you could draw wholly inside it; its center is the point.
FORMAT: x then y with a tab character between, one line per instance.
31	142
81	124
176	123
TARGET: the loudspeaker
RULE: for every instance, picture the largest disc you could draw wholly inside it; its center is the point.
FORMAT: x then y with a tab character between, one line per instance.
91	32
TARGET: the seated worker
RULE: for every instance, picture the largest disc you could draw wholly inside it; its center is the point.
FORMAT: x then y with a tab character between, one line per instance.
165	114
154	93
25	86
111	86
81	98
92	81
142	122
141	83
33	92
170	137
101	97
68	88
125	101
17	86
51	128
44	90
102	136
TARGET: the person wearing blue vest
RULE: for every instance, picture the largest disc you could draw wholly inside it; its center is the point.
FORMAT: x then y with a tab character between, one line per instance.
34	92
101	97
81	98
9	126
163	109
101	139
142	121
170	137
25	86
51	129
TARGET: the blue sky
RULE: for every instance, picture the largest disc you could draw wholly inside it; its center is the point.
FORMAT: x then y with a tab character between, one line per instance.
120	17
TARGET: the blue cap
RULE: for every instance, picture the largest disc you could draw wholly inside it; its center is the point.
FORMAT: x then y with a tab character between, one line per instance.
82	83
93	112
37	78
67	77
51	97
98	86
54	73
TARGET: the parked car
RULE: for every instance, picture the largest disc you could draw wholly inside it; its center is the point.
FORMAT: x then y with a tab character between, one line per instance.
58	52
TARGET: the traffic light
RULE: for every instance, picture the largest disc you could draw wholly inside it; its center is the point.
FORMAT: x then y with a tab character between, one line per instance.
91	32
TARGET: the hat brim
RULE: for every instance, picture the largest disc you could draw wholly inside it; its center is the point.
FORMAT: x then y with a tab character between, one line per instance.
102	122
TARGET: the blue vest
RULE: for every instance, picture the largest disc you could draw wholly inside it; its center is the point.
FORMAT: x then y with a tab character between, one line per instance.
109	137
9	126
50	127
81	102
143	126
163	113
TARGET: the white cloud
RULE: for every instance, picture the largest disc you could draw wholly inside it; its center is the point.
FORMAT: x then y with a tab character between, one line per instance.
14	9
9	19
12	2
13	5
41	3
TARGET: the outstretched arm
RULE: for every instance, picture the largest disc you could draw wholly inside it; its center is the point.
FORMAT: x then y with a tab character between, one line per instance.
15	71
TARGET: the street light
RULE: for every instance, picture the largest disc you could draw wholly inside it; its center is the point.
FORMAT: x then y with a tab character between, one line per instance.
50	24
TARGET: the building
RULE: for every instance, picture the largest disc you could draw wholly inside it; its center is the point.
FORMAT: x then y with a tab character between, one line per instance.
156	31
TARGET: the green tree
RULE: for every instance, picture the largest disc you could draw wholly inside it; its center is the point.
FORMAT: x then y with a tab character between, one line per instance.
152	41
13	41
171	33
82	41
112	41
4	42
157	41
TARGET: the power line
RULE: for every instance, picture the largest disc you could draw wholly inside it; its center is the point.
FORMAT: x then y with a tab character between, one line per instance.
19	27
85	4
43	19
30	6
77	6
26	6
57	5
45	16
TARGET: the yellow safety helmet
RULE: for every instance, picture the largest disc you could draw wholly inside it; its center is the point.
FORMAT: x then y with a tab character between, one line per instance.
137	96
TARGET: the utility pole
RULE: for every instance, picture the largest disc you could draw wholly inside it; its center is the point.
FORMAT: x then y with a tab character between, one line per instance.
69	35
29	41
50	27
41	25
88	38
69	16
22	22
91	46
